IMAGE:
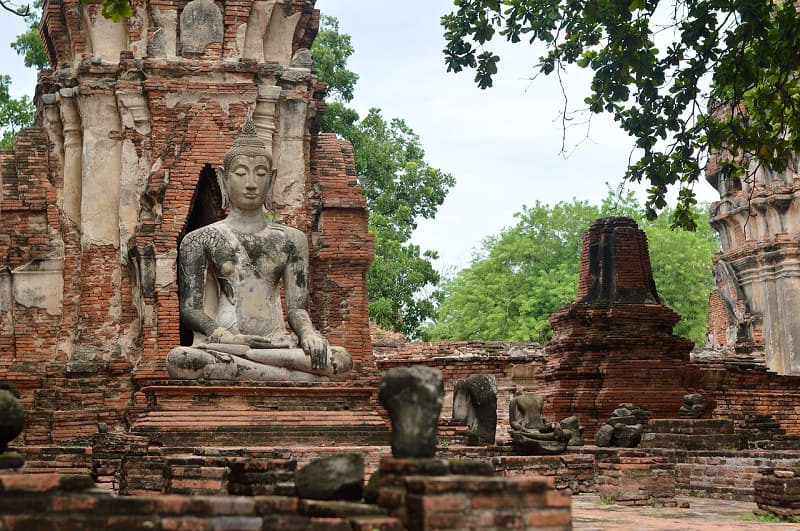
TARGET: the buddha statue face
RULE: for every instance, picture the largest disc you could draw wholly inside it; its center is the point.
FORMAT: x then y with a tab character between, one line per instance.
247	181
246	177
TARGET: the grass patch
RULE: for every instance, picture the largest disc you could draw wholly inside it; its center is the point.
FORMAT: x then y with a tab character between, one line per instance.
765	518
607	499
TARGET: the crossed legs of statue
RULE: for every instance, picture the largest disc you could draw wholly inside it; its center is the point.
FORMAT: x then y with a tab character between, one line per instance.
217	361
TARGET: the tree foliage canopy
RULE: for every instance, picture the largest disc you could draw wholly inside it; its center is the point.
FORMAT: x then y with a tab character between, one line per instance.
400	186
745	49
15	113
29	44
331	51
527	272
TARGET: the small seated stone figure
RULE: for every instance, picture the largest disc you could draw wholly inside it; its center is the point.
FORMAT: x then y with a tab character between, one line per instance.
692	407
230	292
530	433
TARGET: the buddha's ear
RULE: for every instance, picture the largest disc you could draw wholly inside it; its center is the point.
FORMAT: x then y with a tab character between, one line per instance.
268	199
222	189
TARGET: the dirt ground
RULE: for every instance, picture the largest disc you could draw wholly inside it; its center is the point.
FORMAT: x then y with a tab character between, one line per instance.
589	513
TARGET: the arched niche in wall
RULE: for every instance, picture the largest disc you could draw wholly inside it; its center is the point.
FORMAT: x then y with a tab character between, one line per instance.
206	208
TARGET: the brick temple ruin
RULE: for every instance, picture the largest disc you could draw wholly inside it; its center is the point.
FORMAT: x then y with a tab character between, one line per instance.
131	121
751	309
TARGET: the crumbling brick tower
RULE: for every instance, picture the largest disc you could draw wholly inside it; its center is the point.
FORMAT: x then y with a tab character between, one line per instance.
131	120
615	343
753	307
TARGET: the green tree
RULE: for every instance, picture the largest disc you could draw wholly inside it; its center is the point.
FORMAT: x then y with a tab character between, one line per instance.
400	186
29	44
15	113
517	278
746	50
331	50
527	272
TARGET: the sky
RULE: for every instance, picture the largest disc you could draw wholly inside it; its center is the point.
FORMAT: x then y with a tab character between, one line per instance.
502	145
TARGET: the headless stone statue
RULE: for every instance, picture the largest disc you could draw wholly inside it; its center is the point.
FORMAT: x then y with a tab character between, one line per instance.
530	433
230	292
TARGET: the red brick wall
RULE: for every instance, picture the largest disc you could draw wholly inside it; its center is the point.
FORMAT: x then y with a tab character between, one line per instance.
743	393
184	137
341	252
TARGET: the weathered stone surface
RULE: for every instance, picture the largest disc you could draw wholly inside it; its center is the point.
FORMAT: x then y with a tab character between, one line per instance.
604	435
692	407
624	428
11	460
413	396
627	435
340	477
201	24
475	403
572	424
756	276
237	318
530	434
12	416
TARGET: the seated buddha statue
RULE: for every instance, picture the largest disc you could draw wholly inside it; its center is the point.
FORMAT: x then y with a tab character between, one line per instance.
230	294
530	433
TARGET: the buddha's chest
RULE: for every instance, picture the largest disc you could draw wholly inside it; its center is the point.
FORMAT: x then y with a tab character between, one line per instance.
261	255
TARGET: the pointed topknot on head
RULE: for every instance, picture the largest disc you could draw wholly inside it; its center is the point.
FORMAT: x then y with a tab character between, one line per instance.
247	143
249	128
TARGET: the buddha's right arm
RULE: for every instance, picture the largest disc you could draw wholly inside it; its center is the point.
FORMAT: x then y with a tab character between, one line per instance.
192	261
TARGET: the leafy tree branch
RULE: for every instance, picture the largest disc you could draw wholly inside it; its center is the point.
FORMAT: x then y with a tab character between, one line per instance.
746	50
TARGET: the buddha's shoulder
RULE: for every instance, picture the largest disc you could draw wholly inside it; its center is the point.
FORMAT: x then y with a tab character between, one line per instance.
286	232
203	237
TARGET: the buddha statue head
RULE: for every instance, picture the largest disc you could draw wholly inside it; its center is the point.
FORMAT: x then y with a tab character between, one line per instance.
246	176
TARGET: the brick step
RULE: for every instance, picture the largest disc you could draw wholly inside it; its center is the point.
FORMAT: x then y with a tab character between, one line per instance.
249	435
193	422
45	469
691	442
306	416
264	398
262	428
691	426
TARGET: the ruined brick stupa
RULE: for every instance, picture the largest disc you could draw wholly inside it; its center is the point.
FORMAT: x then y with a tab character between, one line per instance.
132	119
615	343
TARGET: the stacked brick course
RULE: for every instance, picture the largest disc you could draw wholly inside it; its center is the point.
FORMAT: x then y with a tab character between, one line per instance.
615	344
463	494
776	492
637	480
55	501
